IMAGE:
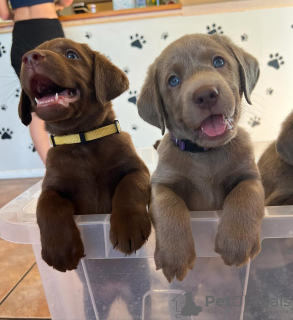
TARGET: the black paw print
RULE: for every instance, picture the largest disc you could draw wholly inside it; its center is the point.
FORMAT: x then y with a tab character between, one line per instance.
32	148
132	99
276	61
255	121
88	35
137	41
108	57
134	127
244	37
17	93
126	70
269	91
2	50
3	107
214	29
5	133
164	35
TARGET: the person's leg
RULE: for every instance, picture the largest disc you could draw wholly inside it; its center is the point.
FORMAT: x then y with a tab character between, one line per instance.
39	136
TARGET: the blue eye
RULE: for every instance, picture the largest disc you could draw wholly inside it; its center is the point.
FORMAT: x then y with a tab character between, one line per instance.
218	62
174	81
70	54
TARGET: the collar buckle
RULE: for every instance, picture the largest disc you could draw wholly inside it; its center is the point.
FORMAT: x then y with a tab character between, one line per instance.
82	138
53	140
179	143
117	125
186	145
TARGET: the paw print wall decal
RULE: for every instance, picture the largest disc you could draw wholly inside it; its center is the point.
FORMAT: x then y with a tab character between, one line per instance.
137	41
4	107
88	35
214	29
17	93
276	61
254	121
269	91
244	37
2	50
164	35
126	70
108	57
133	97
32	147
134	127
6	133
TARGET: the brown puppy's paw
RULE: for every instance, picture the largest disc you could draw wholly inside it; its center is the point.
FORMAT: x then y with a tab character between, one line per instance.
129	232
237	251
175	261
63	250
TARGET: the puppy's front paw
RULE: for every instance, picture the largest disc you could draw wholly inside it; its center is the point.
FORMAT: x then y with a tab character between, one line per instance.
129	232
236	250
62	249
175	260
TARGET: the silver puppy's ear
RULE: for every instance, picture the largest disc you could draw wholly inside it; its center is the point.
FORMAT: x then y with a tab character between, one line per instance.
149	104
110	81
24	109
248	67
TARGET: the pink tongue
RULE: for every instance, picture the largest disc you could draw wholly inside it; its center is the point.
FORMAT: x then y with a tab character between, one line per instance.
214	125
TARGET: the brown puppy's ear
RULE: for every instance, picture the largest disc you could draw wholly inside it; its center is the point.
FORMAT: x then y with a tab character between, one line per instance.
149	104
24	109
284	143
248	67
110	81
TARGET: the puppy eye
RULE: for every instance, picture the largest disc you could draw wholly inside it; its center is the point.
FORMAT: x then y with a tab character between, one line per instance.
218	62
174	81
70	54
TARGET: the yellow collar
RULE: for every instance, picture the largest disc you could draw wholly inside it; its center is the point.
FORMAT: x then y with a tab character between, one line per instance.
83	137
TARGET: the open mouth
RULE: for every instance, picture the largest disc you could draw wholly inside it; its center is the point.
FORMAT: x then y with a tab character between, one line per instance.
48	93
216	124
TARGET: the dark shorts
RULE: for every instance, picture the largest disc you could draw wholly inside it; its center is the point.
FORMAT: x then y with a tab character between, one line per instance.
29	34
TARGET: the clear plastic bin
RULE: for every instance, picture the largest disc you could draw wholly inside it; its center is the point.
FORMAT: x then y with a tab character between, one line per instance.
109	286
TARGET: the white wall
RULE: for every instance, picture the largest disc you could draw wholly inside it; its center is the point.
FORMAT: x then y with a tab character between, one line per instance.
262	33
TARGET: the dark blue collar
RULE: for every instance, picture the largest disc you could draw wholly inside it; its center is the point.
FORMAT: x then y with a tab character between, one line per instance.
186	145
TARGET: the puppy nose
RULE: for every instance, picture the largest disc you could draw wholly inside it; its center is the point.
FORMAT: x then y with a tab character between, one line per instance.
206	97
32	58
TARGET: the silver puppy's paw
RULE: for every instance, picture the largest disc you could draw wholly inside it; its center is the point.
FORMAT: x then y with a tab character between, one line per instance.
175	262
237	251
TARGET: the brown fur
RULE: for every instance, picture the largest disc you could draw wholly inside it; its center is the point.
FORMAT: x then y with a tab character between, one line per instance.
276	167
100	177
226	177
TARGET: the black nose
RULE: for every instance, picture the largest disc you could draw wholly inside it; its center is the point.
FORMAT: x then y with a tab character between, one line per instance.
32	58
205	97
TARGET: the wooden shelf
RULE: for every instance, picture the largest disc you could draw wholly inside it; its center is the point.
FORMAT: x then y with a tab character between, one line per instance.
113	13
186	8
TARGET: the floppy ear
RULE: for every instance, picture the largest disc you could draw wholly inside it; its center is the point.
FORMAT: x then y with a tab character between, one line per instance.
110	81
248	68
24	109
284	143
149	104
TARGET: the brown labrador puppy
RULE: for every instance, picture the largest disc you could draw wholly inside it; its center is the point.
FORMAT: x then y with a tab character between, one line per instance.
206	162
70	87
276	167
